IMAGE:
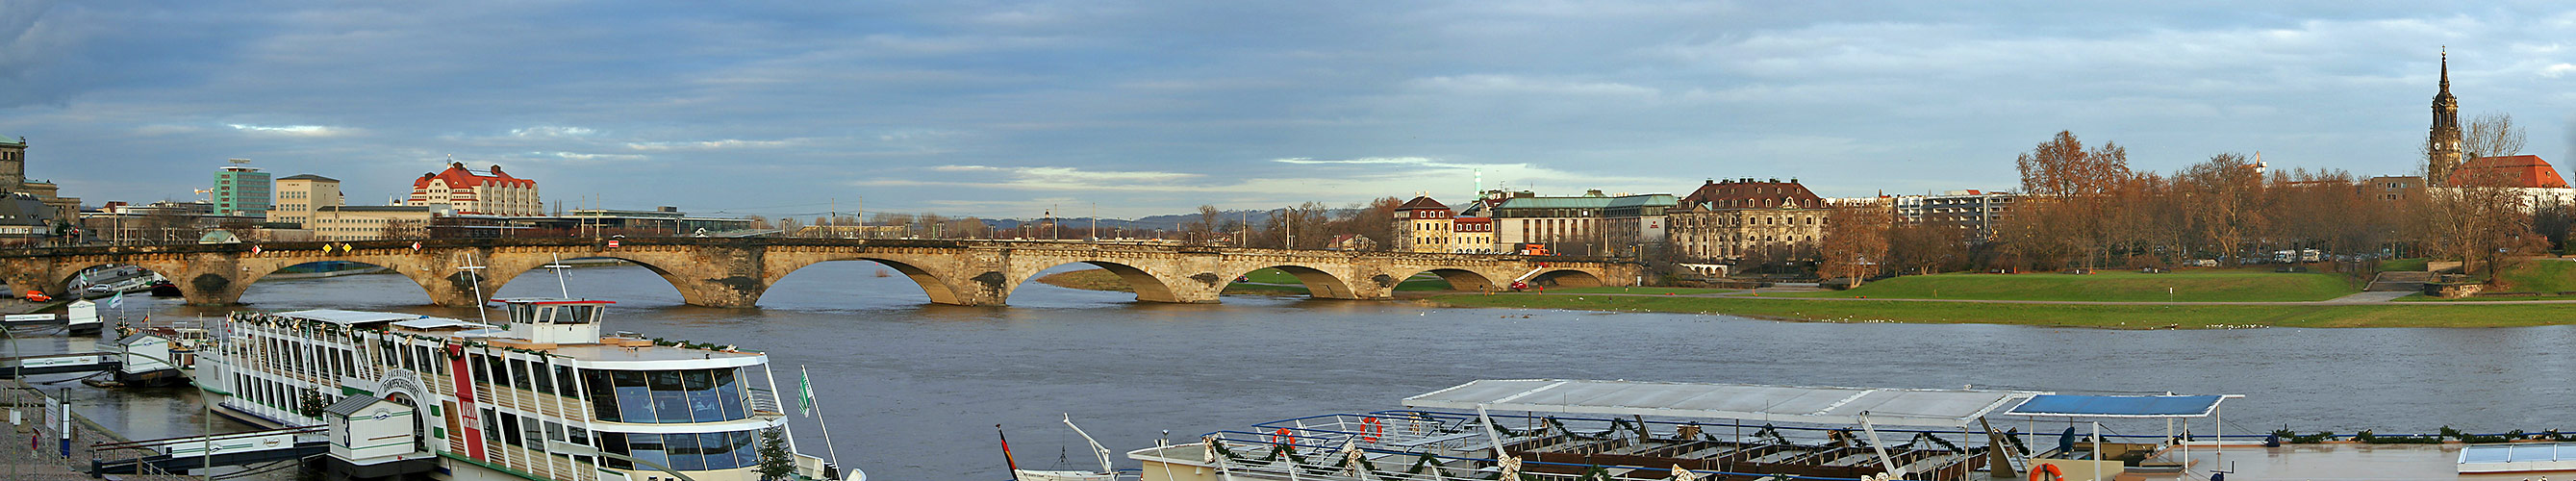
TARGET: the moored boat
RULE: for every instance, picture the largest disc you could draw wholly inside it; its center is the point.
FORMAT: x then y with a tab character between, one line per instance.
543	395
1546	429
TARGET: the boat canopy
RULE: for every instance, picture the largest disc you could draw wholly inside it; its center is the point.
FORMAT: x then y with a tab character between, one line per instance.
2083	406
1948	408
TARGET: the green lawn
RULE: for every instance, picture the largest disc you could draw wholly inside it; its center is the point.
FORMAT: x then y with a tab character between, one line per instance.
1639	290
2539	276
2075	315
2187	286
2405	265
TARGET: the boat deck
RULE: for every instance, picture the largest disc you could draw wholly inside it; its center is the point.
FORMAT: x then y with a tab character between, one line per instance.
2337	461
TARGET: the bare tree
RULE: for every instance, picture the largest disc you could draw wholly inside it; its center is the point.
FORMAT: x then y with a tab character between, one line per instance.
1203	229
403	229
2224	199
1855	244
2492	135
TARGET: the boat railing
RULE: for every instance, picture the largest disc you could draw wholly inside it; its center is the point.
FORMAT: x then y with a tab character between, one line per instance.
762	402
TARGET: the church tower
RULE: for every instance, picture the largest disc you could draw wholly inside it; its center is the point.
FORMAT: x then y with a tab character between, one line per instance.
2443	146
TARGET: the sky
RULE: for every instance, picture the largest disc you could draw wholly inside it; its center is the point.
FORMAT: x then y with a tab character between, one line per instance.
1012	109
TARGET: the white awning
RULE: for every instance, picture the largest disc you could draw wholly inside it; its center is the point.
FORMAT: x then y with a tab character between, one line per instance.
1949	408
341	317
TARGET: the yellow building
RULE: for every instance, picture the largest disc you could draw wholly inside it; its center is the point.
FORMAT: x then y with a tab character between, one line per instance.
371	222
298	195
1472	235
1424	225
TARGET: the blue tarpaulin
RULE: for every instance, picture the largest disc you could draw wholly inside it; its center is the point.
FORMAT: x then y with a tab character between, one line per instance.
2067	405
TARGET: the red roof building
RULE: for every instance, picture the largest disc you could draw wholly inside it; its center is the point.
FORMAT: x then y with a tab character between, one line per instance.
491	192
2522	171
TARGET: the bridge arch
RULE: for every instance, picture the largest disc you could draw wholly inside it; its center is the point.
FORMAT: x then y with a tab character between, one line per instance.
65	280
1319	283
1566	278
1149	287
252	273
1460	279
502	272
930	283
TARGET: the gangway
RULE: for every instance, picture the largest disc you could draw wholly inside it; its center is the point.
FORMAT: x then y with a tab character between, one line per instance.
58	364
173	455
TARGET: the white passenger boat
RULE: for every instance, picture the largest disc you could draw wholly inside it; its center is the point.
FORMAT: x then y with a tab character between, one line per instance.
542	396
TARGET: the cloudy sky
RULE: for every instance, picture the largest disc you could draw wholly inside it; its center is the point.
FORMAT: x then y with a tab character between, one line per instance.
1004	109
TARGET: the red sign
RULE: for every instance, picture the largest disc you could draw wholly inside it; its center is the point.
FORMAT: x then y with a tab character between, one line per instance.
612	243
415	246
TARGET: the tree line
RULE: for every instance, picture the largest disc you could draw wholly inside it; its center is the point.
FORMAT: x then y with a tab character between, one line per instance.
2084	207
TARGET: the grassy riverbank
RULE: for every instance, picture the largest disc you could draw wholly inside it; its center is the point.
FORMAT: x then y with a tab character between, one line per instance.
2186	286
2072	315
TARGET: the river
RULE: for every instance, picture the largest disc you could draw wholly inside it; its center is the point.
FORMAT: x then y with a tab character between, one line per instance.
914	390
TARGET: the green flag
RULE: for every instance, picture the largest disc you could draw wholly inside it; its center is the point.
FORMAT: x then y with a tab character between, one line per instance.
805	391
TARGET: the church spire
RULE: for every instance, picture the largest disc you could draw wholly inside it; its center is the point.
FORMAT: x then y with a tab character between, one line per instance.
2446	70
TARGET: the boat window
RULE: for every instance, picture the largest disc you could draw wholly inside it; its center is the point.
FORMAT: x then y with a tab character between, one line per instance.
648	447
535	431
537	372
519	374
729	393
578	314
577	435
521	312
500	369
491	428
703	405
603	397
745	450
564	382
684	453
634	398
670	397
510	429
481	374
614	443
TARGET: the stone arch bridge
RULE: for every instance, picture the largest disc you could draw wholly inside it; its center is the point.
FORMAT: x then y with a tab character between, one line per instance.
734	272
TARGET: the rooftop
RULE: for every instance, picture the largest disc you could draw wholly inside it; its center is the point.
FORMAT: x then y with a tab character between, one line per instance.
341	317
2525	171
1948	408
310	177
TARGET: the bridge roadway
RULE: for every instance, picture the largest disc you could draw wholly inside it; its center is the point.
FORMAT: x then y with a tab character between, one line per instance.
734	272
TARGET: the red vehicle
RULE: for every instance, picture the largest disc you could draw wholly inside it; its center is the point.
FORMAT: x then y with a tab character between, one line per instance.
1534	249
38	296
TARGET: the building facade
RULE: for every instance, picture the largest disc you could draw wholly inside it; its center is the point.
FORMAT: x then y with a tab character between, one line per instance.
1424	225
1636	224
372	222
13	178
1977	211
1473	235
1741	219
242	190
298	195
490	192
1554	225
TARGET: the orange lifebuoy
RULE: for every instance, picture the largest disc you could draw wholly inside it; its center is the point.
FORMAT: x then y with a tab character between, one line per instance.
1283	437
2051	469
1370	428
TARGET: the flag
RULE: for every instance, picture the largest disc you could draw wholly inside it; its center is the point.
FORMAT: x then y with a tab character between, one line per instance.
116	302
804	391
